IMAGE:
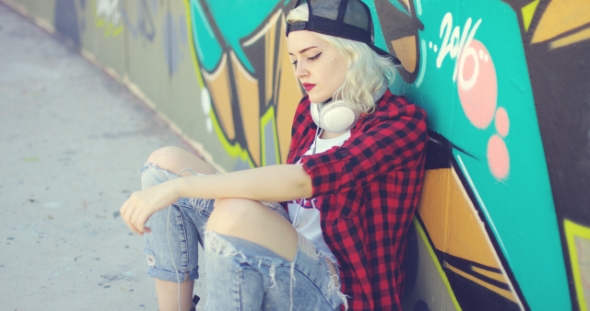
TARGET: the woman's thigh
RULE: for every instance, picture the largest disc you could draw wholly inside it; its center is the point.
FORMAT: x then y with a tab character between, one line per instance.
255	222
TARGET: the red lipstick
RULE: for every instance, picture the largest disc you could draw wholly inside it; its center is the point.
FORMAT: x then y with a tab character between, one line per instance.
308	86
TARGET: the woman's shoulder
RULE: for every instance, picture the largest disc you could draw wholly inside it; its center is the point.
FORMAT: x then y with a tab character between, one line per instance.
392	105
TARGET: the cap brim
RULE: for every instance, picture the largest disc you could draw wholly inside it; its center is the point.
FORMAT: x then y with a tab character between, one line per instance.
381	52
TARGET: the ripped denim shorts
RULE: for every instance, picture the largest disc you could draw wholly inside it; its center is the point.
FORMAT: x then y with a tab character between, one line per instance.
241	275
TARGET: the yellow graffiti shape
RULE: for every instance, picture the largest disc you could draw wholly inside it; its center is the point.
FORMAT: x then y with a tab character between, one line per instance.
571	39
281	87
561	17
528	11
406	50
288	94
236	95
453	224
443	277
218	84
461	233
247	91
281	91
578	243
269	119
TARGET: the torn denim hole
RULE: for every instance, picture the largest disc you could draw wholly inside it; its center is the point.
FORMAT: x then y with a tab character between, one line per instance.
292	282
306	246
272	272
151	261
200	205
334	286
220	246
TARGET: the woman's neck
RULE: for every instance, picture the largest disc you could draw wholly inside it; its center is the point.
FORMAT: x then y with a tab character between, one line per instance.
327	134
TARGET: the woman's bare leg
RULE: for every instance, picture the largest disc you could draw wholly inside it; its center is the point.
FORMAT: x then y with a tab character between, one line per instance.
254	222
167	293
174	160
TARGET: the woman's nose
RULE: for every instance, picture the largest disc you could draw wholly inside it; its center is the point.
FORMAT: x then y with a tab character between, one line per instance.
300	70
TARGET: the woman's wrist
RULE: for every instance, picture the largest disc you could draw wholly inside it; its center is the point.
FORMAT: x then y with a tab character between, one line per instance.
181	186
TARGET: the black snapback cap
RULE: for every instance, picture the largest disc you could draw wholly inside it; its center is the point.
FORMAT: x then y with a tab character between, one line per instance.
349	19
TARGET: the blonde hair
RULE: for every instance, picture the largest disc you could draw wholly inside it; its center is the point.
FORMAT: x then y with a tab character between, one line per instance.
367	71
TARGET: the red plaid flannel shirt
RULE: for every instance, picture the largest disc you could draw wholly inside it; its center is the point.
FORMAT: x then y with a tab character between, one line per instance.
367	191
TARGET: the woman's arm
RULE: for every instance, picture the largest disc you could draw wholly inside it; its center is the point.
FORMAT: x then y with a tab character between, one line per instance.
270	183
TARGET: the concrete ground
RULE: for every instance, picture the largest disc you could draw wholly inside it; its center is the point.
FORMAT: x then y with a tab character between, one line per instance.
72	140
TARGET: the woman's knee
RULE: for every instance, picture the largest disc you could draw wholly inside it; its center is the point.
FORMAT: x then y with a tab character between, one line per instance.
229	212
174	160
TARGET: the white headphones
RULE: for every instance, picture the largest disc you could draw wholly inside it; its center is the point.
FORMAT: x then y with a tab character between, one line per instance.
336	116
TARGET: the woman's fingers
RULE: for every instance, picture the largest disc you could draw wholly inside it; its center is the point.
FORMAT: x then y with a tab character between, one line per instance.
142	204
140	214
139	219
124	211
130	214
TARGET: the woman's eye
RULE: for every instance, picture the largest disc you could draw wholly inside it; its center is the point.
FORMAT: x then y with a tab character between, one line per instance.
315	57
294	63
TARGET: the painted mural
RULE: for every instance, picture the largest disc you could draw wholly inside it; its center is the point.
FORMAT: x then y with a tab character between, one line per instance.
555	34
504	218
247	76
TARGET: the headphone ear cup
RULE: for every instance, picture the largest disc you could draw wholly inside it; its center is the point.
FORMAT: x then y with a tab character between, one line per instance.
337	117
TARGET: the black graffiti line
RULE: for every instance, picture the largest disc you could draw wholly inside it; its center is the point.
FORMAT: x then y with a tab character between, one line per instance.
260	70
148	31
276	63
490	233
466	265
220	38
441	256
146	24
236	111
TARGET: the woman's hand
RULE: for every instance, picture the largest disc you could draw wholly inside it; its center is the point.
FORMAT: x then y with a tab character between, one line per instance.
142	204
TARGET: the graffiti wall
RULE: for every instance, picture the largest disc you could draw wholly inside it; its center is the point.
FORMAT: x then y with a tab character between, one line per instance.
504	218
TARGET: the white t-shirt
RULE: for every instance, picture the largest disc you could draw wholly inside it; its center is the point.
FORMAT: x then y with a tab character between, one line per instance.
303	213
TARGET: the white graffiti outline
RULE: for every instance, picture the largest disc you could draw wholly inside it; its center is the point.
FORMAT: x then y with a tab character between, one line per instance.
109	9
457	43
423	65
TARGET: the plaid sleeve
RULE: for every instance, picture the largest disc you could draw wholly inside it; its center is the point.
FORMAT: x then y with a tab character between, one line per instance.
393	142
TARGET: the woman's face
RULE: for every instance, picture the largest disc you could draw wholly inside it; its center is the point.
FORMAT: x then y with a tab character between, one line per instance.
320	67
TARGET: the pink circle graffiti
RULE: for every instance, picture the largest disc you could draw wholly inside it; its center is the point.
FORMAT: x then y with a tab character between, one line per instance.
498	157
502	122
477	85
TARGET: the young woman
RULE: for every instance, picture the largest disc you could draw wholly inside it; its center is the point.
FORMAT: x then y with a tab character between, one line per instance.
348	191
